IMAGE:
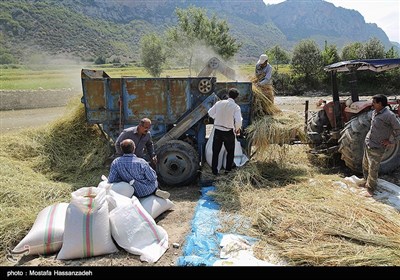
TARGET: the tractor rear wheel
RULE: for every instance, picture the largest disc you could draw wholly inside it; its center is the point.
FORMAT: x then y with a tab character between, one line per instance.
351	146
315	127
178	163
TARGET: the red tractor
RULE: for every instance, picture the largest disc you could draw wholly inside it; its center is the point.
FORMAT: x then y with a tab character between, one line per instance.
341	125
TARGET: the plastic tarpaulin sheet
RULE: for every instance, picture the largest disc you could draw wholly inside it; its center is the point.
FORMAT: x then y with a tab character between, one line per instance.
202	244
205	246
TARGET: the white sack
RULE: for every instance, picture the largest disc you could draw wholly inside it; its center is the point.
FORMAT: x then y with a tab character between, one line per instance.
239	159
46	234
155	205
137	232
115	200
87	228
122	188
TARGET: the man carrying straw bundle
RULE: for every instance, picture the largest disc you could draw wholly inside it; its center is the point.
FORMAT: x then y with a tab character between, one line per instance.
263	71
263	89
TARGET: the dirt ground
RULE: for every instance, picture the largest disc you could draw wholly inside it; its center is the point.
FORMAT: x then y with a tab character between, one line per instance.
176	222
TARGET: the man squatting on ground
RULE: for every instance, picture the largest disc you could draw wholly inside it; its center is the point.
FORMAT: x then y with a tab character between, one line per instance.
384	123
129	167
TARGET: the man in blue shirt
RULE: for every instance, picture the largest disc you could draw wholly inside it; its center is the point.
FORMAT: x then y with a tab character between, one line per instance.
384	123
129	167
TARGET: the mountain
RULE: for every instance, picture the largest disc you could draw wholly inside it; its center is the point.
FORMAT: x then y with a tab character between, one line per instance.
88	29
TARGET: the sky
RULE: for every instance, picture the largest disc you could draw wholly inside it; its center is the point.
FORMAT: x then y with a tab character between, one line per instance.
385	13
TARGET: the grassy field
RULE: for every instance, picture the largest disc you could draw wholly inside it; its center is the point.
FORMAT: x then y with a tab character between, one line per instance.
68	76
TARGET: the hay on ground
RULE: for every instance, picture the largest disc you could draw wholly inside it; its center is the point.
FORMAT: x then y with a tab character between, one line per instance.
302	221
43	166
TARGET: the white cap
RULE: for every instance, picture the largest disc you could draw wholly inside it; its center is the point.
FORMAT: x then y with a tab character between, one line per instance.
262	59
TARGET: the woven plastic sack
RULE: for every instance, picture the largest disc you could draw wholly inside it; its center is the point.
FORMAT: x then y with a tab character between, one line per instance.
87	228
137	232
46	234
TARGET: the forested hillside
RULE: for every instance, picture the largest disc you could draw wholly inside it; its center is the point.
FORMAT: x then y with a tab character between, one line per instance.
89	29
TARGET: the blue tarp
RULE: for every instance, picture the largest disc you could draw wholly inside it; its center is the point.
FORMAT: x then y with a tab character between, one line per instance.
202	245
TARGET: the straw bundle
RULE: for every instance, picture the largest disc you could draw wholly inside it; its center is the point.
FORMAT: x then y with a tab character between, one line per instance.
282	128
263	100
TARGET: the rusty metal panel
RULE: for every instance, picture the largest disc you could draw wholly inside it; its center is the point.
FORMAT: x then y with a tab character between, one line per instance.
161	99
95	96
180	95
143	98
101	100
114	94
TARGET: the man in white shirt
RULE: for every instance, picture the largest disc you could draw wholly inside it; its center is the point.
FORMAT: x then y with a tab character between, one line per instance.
227	123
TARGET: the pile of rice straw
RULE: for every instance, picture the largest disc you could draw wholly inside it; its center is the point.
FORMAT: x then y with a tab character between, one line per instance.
270	125
302	221
43	166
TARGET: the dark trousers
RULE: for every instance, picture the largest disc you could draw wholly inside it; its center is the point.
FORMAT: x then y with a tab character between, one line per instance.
228	139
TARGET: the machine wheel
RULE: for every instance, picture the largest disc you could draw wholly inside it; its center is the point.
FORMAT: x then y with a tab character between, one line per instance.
205	86
213	63
315	126
178	163
351	146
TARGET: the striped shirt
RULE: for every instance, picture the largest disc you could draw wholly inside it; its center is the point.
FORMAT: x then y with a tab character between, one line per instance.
129	167
383	124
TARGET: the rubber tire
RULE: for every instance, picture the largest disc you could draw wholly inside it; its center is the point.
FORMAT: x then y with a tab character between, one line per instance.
316	124
178	163
351	146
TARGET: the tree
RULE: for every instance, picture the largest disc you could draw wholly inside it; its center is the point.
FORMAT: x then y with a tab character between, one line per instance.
392	53
330	54
353	51
7	58
152	54
196	32
307	61
374	49
278	56
100	60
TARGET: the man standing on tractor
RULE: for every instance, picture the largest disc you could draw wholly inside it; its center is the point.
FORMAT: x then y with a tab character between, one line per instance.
263	71
384	123
263	88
